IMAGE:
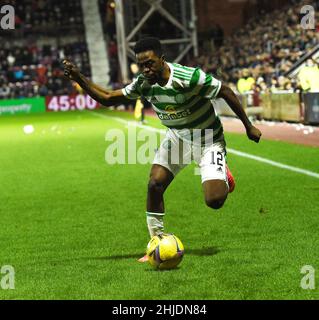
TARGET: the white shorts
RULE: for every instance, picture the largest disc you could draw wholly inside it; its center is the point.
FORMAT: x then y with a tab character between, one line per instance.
175	154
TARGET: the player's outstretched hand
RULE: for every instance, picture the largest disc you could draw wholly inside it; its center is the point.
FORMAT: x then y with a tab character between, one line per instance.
254	133
70	70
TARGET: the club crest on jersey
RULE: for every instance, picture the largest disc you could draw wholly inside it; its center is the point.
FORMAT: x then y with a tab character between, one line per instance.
180	98
170	109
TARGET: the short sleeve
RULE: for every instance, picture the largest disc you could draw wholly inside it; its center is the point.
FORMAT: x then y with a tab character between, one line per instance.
132	91
208	86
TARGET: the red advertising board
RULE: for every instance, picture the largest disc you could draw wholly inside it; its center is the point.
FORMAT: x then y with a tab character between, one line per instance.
70	102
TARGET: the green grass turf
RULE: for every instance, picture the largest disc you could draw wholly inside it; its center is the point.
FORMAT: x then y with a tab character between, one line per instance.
73	226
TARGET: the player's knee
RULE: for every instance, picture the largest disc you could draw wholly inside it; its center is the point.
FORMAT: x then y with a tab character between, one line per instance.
215	202
156	186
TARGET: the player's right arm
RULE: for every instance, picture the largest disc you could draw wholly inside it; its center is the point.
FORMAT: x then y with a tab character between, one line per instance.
101	95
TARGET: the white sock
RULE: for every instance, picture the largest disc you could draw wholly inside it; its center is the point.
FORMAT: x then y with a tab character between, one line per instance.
155	223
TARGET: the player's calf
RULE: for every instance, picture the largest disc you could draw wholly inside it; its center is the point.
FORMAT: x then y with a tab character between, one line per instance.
160	178
216	192
215	203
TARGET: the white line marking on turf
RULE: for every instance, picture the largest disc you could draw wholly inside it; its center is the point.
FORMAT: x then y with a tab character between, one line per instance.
229	150
273	163
127	122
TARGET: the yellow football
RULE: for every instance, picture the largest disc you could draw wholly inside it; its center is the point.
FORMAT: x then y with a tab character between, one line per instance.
165	251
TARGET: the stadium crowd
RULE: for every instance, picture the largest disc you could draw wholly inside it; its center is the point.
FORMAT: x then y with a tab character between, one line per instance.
258	55
36	71
255	57
47	17
29	69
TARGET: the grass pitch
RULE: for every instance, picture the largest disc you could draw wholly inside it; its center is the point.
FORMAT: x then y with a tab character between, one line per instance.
73	226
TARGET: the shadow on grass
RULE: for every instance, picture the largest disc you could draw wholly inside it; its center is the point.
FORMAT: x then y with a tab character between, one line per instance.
209	251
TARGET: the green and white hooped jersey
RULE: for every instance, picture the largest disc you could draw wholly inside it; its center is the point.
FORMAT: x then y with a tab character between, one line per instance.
185	103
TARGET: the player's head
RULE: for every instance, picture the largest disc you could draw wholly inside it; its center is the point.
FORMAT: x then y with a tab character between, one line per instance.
245	73
150	58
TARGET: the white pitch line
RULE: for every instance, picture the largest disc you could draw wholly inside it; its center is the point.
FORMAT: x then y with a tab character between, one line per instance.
229	150
273	163
126	122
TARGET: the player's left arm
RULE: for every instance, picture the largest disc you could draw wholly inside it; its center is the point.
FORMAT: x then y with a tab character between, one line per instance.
231	99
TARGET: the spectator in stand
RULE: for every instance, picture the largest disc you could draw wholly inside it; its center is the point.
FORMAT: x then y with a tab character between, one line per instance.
43	90
11	59
4	91
309	76
245	83
18	74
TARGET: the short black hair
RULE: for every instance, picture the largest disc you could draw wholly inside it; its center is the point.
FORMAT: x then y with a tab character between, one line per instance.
148	43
